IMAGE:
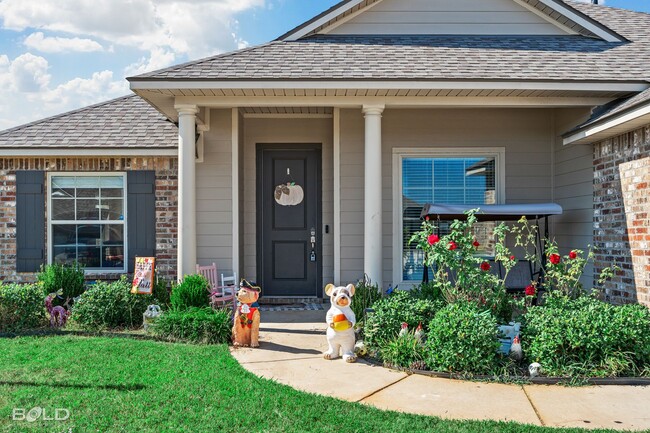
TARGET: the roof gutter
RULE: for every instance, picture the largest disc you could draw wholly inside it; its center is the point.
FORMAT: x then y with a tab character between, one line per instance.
571	85
600	130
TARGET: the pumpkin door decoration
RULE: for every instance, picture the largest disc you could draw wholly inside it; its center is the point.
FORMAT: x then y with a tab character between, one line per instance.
289	194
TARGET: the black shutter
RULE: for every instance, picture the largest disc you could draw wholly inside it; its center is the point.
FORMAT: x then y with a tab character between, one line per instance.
141	217
30	220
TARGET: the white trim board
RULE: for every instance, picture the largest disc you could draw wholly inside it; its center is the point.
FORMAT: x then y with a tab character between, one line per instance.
499	153
235	191
396	101
599	131
56	152
630	86
123	222
337	194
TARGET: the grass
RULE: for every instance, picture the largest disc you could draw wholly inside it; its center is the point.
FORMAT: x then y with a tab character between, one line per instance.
124	385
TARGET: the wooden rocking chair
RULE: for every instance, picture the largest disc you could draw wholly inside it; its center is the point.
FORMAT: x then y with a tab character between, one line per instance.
221	295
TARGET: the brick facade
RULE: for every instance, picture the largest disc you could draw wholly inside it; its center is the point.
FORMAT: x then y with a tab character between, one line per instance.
622	214
166	205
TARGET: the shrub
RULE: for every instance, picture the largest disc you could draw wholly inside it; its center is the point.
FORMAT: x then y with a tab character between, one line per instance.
22	307
461	339
67	278
404	351
385	322
460	274
110	305
587	337
162	292
191	292
431	290
196	325
365	295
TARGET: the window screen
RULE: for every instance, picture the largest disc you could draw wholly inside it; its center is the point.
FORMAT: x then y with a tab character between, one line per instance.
445	180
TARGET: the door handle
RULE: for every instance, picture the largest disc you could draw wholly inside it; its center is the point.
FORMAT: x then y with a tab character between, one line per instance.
312	255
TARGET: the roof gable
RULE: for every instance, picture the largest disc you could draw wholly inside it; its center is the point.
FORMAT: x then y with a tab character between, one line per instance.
448	17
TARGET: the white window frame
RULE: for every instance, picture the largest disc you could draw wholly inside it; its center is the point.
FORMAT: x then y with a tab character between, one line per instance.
399	154
123	222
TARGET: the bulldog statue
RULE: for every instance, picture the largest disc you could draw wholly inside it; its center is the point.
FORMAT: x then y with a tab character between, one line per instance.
246	327
340	323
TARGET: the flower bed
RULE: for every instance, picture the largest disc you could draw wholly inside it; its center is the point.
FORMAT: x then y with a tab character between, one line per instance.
570	332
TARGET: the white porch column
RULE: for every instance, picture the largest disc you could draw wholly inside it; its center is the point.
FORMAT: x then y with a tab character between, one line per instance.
373	229
186	190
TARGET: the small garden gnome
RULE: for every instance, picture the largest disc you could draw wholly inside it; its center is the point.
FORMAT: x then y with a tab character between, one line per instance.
246	329
340	323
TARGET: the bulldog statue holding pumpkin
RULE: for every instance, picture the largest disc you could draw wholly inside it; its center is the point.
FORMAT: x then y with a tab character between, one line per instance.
340	323
246	329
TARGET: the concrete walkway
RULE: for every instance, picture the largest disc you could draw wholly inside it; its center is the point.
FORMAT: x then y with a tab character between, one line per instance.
292	343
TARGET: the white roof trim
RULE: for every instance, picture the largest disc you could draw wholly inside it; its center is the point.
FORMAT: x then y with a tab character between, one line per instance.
597	129
322	21
580	20
562	9
72	152
546	17
381	85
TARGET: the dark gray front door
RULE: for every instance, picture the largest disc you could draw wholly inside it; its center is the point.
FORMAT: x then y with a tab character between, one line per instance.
289	220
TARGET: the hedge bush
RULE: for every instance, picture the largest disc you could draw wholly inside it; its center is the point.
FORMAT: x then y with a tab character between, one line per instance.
384	324
196	325
110	305
22	307
404	351
191	292
69	279
587	337
365	295
463	339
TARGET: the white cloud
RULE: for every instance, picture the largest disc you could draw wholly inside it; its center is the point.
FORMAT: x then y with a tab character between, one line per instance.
160	32
27	93
40	42
158	59
28	73
192	28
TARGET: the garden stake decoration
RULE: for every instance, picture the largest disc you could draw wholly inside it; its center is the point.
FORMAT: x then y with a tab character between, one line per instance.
58	314
246	329
340	323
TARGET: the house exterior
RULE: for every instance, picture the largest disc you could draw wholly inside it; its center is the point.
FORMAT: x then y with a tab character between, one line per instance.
306	160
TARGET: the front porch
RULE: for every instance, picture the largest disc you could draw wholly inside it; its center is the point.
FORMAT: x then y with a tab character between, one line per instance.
363	147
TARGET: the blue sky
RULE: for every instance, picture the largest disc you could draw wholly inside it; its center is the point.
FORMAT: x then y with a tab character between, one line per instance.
58	55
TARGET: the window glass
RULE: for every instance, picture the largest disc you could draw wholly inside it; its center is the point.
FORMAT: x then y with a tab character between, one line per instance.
444	180
87	221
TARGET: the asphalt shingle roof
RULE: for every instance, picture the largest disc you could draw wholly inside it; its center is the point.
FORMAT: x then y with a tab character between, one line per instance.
126	122
614	108
323	57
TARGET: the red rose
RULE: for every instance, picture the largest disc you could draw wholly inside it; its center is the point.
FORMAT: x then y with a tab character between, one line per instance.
452	245
531	290
476	244
555	259
512	258
485	266
433	239
573	255
426	218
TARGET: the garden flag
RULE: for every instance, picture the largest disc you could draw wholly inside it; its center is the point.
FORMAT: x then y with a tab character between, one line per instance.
143	278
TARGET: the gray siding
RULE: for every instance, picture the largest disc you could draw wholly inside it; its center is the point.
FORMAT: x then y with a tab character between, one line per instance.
573	188
528	136
214	194
444	17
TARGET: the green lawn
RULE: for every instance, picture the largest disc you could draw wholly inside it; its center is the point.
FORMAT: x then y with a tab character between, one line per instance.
124	385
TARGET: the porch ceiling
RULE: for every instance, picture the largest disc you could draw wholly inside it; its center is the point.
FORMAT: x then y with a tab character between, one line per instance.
291	100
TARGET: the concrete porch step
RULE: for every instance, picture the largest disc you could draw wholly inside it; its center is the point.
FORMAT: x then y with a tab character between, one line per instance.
289	300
